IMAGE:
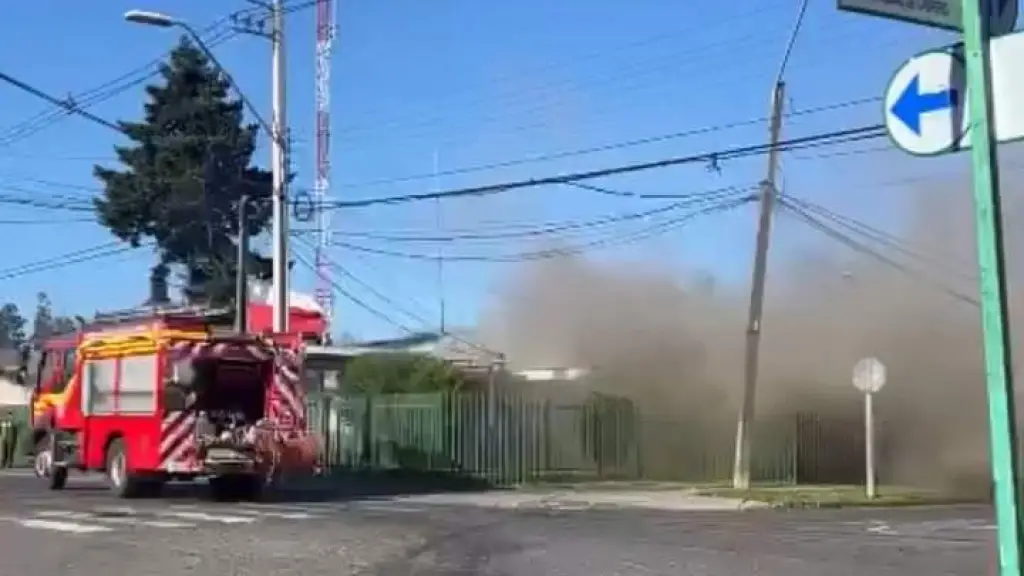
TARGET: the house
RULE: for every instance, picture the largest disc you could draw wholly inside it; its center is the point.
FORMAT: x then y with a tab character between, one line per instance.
11	393
458	347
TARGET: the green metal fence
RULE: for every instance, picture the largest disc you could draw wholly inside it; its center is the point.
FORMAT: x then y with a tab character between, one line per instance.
509	439
506	439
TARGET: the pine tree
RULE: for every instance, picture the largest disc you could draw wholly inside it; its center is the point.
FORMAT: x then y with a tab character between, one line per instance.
183	175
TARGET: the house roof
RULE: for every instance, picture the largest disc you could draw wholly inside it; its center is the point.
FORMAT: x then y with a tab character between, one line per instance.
455	346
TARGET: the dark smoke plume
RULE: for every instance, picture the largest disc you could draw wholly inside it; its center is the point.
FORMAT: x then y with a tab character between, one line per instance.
675	343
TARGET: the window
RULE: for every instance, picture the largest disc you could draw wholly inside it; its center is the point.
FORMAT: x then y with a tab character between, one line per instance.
137	391
69	364
99	386
60	378
46	371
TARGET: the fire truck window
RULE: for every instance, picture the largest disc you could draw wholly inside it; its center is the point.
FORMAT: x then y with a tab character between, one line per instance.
137	392
69	368
99	375
47	371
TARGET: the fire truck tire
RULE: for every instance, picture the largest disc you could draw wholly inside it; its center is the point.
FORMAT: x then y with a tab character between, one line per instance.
56	476
122	484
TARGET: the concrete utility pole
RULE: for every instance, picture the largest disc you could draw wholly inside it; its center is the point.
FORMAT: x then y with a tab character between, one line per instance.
752	354
280	170
241	274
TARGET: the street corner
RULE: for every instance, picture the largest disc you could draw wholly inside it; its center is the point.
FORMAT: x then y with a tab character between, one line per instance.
663	500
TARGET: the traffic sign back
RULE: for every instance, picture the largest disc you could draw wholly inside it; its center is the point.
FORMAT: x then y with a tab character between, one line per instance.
869	375
937	13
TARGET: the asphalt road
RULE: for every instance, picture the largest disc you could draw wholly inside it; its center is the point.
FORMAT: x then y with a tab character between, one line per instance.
82	530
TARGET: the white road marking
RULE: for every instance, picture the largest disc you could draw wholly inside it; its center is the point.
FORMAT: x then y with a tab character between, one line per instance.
204	517
117	520
57	525
281	513
387	508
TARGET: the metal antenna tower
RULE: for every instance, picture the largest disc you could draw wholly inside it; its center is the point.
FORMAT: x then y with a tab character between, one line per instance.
323	292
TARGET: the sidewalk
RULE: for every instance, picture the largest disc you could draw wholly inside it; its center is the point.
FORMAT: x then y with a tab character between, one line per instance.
669	500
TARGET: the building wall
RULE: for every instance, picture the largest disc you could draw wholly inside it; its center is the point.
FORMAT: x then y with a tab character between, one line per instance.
11	394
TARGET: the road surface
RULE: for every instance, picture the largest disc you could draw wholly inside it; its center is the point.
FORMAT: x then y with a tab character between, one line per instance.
84	531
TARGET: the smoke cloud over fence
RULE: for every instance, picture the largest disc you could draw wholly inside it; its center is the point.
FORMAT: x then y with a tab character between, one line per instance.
675	343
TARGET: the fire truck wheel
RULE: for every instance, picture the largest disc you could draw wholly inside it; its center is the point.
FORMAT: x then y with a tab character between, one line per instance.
122	484
56	476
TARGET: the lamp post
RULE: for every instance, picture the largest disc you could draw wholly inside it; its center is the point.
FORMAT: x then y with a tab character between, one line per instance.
275	130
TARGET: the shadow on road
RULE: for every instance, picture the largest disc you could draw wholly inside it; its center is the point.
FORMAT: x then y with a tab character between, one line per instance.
347	485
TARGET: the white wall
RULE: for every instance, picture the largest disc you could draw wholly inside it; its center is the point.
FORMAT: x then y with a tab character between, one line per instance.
11	394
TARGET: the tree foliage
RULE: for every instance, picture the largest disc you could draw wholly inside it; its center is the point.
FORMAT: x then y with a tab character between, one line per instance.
12	326
45	324
183	175
399	373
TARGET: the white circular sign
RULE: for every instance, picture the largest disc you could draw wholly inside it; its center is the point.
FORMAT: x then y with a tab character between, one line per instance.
869	375
924	104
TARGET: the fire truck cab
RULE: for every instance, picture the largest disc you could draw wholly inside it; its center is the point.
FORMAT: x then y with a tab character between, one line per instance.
151	395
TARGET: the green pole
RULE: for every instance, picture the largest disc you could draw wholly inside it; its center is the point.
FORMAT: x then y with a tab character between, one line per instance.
995	324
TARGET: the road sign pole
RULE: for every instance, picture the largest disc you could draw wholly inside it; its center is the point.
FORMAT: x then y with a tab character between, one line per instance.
869	445
988	223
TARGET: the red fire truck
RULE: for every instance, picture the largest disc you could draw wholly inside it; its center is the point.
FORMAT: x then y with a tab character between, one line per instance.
152	395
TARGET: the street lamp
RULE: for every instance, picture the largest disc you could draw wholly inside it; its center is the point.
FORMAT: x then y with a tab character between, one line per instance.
277	137
152	19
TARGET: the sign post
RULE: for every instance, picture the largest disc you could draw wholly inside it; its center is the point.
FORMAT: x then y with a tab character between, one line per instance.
869	377
945	101
994	320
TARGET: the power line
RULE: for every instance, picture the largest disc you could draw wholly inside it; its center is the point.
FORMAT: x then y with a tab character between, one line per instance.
852	244
833	138
101	93
73	105
624	239
680	67
353	298
390	302
877	235
605	147
599	56
555	228
67	105
370	288
817	140
76	257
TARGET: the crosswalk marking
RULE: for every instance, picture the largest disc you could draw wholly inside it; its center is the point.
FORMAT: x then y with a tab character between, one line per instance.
203	516
282	514
99	519
387	508
118	520
60	526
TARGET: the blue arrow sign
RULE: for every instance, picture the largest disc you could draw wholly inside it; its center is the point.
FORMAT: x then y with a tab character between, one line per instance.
913	104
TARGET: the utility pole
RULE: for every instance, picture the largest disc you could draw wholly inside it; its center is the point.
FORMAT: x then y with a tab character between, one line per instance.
752	353
241	273
440	252
279	158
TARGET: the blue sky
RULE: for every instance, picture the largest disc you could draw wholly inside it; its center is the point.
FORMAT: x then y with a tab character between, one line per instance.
475	83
